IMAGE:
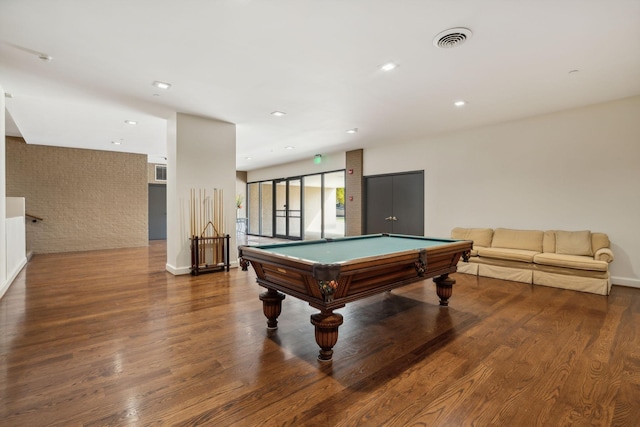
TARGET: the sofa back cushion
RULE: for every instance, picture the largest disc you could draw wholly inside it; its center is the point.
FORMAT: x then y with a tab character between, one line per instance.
599	241
574	243
480	236
549	242
530	240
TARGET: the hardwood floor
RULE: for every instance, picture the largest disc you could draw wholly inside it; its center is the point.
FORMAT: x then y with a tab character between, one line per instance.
110	338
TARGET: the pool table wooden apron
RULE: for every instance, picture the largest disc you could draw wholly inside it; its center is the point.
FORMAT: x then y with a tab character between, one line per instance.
330	285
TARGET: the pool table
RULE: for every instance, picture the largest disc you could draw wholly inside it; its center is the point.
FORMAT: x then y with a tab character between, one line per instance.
329	273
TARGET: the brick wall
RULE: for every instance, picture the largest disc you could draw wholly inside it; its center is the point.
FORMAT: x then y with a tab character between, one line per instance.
88	199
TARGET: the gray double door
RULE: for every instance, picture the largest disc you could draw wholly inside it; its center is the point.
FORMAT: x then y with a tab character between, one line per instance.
395	203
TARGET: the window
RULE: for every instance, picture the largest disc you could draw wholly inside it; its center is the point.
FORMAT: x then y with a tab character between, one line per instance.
319	204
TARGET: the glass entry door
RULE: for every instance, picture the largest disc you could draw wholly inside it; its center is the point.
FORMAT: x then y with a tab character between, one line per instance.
288	208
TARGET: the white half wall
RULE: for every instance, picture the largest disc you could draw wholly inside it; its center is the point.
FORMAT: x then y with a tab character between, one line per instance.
572	170
16	246
4	282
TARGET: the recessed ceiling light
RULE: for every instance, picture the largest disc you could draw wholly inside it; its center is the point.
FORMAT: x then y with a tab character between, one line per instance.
574	71
45	57
389	66
161	85
289	147
278	113
131	122
117	142
8	95
247	158
460	103
354	130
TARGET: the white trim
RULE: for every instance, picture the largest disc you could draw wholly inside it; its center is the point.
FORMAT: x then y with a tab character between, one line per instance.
177	271
5	288
626	281
12	276
187	270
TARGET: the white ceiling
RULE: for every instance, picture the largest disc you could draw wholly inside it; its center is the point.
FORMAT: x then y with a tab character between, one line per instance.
316	60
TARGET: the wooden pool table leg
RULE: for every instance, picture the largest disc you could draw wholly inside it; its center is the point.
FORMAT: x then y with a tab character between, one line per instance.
272	306
444	288
326	323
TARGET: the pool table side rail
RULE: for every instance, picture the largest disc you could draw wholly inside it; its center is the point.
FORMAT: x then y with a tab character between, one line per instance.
357	278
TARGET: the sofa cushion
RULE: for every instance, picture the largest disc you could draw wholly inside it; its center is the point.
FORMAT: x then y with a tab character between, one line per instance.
507	254
573	243
549	241
571	261
599	241
480	236
530	240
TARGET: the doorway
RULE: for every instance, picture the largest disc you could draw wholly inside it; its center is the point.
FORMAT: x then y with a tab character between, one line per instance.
288	208
395	203
157	212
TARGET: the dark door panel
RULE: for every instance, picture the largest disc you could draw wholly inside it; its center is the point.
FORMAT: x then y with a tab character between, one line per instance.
395	203
157	212
408	204
379	204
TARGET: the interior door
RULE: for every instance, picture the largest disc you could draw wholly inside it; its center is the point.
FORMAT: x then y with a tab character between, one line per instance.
395	203
408	204
379	204
287	208
157	212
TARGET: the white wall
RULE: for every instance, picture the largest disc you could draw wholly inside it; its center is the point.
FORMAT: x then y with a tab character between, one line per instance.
330	162
572	170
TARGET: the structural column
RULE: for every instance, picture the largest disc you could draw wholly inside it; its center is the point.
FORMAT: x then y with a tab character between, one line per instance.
201	154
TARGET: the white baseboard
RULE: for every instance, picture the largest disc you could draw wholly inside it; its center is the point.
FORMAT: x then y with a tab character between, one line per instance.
626	281
4	288
12	276
177	271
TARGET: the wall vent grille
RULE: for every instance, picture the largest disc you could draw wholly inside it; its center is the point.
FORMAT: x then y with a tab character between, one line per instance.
161	173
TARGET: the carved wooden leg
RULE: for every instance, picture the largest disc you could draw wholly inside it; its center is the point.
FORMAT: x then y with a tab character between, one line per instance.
272	306
244	264
326	324
444	288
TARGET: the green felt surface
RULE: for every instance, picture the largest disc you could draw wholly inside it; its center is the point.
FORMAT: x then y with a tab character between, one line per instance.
342	250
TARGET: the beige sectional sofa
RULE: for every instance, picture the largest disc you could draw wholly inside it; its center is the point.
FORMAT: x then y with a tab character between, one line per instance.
576	260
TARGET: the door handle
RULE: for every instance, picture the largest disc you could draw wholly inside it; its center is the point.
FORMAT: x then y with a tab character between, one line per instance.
389	218
393	218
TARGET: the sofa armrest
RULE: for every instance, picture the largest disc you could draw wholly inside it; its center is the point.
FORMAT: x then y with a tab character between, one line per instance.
604	254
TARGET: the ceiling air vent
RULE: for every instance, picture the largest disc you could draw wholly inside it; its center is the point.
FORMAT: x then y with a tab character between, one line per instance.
452	37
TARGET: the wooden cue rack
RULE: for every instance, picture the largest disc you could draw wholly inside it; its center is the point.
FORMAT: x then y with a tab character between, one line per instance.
209	242
205	249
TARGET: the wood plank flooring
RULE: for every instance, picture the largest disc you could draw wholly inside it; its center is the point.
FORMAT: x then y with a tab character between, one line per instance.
108	338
